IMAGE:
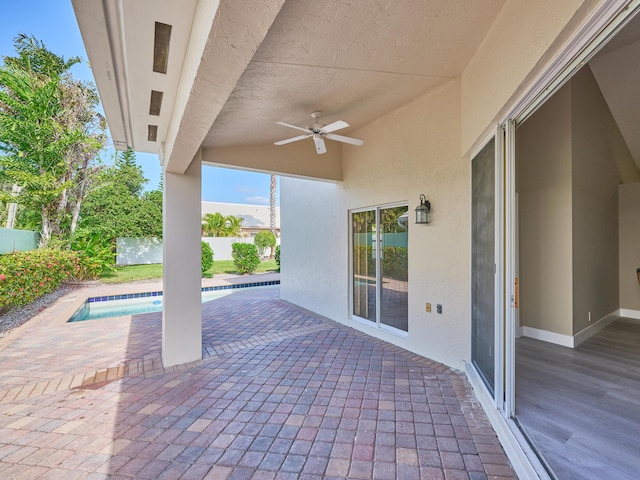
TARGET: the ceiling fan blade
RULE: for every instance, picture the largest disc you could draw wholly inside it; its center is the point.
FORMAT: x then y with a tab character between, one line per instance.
293	126
342	138
332	127
290	140
320	146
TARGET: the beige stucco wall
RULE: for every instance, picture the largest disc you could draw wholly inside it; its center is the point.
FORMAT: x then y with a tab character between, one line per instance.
410	151
543	167
629	219
524	34
596	144
423	147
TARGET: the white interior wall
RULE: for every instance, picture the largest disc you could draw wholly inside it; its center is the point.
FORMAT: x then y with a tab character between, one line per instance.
410	151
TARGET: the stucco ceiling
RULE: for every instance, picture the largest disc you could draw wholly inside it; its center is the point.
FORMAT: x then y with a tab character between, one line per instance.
235	67
353	60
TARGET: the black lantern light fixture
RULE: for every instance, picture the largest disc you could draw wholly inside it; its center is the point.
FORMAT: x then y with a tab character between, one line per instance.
422	210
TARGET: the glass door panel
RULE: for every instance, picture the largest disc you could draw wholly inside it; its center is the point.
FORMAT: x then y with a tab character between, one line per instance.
394	243
483	263
364	264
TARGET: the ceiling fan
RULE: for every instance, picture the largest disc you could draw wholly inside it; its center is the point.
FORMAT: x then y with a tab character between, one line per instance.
319	132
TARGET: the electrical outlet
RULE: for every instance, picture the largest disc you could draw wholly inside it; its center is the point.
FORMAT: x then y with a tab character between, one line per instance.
439	308
427	308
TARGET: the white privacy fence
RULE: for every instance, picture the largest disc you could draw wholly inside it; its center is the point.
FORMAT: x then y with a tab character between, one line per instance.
140	251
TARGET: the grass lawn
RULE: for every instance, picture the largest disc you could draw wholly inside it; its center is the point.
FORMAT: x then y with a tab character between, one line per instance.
145	272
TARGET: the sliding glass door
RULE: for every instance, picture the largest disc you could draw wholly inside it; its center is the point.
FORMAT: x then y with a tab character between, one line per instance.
380	253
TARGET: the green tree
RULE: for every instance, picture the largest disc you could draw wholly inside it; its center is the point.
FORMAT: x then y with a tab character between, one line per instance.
50	133
264	240
117	207
217	225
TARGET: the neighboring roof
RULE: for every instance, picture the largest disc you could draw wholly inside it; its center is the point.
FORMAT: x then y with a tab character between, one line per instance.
253	216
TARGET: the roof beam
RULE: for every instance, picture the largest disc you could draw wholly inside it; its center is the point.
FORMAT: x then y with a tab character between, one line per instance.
224	37
297	159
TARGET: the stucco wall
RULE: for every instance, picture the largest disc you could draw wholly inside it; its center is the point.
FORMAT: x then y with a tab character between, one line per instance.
543	168
596	142
629	208
410	151
509	53
313	256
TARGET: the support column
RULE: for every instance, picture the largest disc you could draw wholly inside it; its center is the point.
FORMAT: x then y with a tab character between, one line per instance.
182	278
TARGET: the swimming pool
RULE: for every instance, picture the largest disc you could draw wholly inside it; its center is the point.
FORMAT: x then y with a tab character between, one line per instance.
147	302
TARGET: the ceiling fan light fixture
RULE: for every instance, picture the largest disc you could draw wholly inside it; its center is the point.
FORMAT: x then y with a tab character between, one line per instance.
319	132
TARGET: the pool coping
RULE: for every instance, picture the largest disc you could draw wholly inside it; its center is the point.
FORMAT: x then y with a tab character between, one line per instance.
159	293
84	308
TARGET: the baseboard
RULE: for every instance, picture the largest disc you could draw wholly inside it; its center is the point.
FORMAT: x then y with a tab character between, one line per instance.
523	459
632	314
594	328
581	336
546	336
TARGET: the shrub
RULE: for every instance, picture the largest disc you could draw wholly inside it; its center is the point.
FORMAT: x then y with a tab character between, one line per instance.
395	262
96	254
25	276
207	257
278	257
245	257
264	240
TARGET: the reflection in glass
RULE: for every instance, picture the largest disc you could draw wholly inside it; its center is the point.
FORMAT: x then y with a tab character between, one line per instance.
364	265
394	233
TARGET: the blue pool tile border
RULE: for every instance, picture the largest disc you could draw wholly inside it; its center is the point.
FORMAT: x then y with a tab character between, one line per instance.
127	296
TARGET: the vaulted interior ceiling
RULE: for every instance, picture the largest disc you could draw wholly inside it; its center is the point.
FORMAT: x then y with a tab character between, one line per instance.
617	71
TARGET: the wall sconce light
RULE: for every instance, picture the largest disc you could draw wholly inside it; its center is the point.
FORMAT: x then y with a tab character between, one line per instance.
422	210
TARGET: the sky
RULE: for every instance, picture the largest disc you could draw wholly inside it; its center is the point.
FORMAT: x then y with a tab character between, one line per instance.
54	23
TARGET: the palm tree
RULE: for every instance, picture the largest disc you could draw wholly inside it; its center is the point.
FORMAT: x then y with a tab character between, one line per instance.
272	211
217	225
233	226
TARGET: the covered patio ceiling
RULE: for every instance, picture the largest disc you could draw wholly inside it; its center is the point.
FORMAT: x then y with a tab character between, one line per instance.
236	67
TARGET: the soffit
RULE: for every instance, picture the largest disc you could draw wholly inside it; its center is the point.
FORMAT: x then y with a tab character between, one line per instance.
139	27
352	60
119	38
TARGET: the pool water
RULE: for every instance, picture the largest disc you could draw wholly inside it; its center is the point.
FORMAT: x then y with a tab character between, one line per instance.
134	304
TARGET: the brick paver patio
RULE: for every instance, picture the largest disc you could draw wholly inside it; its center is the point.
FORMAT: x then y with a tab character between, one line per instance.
281	394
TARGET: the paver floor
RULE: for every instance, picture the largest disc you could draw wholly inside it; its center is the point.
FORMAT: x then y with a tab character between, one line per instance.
280	394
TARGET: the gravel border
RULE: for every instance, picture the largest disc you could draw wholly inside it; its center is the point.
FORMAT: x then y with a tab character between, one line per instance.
17	316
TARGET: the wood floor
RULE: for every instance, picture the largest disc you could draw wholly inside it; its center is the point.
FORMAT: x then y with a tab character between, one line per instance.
581	407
